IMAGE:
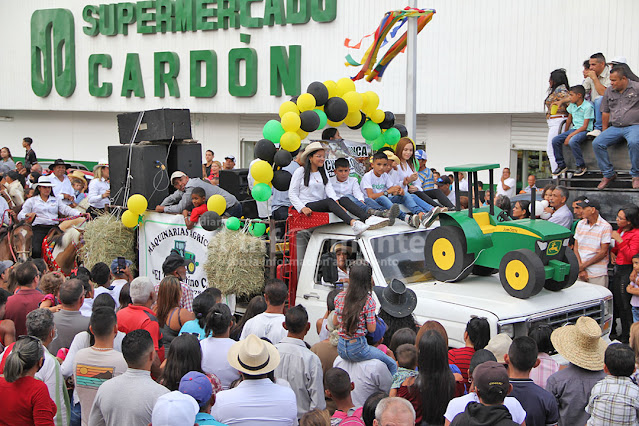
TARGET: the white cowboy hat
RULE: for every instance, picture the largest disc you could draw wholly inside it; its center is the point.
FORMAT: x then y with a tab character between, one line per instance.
581	343
311	148
101	163
253	356
43	181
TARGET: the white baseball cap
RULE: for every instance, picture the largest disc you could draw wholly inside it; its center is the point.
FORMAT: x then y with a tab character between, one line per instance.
176	175
175	409
619	60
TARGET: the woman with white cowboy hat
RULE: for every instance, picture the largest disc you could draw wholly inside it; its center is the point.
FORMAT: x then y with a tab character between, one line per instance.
99	188
310	191
43	208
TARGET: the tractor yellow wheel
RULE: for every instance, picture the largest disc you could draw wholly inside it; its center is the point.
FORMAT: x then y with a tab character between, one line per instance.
445	254
522	273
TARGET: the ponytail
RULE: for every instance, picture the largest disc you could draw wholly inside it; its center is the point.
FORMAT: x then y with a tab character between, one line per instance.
218	320
26	353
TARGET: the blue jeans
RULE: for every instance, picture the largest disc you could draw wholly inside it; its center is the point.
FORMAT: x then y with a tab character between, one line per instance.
357	349
76	415
597	104
575	146
420	203
360	204
387	202
611	136
635	313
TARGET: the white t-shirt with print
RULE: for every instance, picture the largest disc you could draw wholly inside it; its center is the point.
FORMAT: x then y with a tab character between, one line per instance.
376	183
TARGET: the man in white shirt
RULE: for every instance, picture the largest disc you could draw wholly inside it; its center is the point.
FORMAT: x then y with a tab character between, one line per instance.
300	367
101	276
597	79
562	215
592	242
269	324
506	185
369	377
62	188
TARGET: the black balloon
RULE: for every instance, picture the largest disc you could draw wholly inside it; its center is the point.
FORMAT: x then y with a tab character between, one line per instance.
265	150
211	220
389	120
294	153
281	180
310	121
283	158
403	131
336	109
294	99
319	92
361	123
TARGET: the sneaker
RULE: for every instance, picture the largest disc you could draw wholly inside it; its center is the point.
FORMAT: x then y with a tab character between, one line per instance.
430	217
359	227
375	222
416	220
559	170
392	213
408	218
595	133
580	171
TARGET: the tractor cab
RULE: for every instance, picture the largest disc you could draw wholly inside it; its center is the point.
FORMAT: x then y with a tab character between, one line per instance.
529	254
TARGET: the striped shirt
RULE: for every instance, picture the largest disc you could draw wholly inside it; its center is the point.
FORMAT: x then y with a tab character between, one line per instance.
614	401
461	358
589	239
546	368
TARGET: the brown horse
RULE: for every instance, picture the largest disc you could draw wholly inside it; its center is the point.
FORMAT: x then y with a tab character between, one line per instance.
15	242
63	241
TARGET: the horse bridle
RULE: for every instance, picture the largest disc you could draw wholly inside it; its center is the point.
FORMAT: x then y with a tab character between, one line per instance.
13	252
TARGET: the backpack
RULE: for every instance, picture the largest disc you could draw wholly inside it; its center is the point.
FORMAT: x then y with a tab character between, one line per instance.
352	418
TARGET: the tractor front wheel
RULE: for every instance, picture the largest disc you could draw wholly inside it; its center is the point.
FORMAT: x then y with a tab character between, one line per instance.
445	254
522	273
571	259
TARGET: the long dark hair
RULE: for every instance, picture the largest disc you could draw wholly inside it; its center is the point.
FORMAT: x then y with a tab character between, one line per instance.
632	215
169	294
218	320
184	355
524	204
256	306
359	288
8	151
202	304
394	324
307	170
436	382
558	78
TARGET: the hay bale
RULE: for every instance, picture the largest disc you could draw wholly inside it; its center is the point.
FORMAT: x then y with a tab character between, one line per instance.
105	238
235	263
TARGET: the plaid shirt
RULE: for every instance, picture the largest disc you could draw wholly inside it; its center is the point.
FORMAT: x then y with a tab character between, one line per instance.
366	316
546	368
614	401
186	301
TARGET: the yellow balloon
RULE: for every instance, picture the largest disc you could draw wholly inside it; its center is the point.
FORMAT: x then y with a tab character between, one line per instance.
217	203
345	85
129	219
262	171
306	102
288	106
137	204
289	141
332	88
378	116
334	123
302	134
354	101
291	122
371	102
353	118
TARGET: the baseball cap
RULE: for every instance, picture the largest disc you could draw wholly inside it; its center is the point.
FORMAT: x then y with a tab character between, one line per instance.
198	386
379	332
230	157
114	265
176	175
444	180
172	262
491	377
4	265
174	409
420	154
589	203
619	60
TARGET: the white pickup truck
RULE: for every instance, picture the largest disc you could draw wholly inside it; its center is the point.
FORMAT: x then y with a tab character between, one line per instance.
398	252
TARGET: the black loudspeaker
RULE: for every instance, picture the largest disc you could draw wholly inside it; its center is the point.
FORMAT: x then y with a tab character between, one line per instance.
147	176
236	182
158	125
187	158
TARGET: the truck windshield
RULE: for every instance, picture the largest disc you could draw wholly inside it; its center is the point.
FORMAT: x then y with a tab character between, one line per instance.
401	256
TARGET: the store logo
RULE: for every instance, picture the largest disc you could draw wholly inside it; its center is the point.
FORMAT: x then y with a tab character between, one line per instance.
52	52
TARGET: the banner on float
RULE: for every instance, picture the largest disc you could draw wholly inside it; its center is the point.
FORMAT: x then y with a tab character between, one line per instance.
159	234
357	154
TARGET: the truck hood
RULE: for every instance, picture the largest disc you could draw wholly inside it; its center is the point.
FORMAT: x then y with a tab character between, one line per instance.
486	293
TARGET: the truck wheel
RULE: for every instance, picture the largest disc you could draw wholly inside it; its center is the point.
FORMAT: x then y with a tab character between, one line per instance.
522	273
570	258
445	254
483	271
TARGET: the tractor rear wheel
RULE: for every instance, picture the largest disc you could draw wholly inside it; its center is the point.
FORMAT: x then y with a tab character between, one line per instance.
445	254
571	259
522	273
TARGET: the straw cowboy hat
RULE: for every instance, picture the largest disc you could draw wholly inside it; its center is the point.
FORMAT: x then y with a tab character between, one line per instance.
396	299
101	163
311	148
78	175
581	344
341	246
253	356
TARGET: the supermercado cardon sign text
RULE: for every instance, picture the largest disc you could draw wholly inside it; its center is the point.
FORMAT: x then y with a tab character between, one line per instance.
53	46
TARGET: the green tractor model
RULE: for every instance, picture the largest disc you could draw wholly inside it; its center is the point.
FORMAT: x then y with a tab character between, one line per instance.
180	247
529	254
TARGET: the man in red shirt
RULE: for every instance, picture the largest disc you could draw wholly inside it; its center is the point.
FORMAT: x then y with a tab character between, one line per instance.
138	315
26	297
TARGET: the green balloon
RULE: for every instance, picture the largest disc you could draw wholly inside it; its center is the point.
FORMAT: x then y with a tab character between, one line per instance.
378	143
261	192
323	118
273	131
233	223
371	131
392	136
257	229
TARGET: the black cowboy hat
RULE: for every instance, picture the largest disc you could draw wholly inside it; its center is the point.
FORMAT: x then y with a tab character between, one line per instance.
59	162
396	299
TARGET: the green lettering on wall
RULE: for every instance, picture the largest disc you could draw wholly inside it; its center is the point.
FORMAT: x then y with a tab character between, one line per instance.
247	57
166	77
203	60
132	80
145	17
89	14
184	15
274	12
202	13
285	70
164	20
323	10
107	19
125	15
246	20
95	62
227	14
298	11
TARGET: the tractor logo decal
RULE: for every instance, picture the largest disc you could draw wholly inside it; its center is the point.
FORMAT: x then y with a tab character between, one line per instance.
180	247
553	248
515	230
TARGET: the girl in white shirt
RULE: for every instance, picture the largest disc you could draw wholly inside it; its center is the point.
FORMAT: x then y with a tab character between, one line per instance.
99	189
